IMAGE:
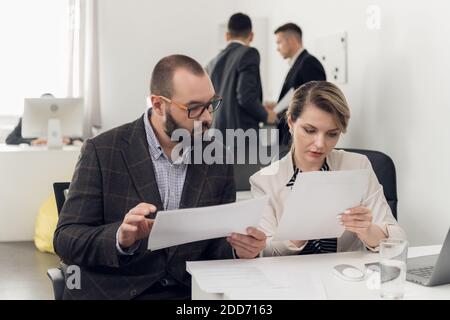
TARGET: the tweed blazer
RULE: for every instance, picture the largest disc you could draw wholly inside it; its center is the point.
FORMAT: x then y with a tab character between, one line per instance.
115	173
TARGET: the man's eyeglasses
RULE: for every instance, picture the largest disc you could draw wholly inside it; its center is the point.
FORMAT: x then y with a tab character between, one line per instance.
195	110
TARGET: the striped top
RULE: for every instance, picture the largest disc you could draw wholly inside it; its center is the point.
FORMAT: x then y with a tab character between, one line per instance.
316	245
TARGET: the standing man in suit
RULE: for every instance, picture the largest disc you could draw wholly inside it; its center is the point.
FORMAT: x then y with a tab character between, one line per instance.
236	77
304	67
125	175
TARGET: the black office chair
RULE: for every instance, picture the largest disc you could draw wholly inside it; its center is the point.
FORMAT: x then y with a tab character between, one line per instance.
384	169
57	275
243	172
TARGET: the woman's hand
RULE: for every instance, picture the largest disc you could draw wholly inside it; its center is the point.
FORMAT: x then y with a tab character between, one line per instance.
359	221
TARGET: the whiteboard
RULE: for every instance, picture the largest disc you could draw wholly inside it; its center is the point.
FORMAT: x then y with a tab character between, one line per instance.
331	50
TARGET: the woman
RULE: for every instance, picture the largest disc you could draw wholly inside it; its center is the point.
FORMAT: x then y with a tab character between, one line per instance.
317	115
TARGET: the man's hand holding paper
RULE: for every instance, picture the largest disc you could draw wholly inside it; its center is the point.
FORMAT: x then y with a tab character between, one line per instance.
249	245
237	221
135	225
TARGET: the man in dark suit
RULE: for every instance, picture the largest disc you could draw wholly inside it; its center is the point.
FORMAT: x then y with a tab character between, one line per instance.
125	175
236	77
304	67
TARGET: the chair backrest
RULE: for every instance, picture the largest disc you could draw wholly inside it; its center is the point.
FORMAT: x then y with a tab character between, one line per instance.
59	188
242	174
58	275
384	169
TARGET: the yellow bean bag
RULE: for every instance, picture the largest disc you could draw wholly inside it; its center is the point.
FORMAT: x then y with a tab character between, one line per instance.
45	225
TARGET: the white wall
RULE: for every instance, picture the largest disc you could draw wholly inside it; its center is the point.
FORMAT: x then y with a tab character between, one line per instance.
398	90
135	34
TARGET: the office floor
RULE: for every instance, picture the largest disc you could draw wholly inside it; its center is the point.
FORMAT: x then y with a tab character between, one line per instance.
23	272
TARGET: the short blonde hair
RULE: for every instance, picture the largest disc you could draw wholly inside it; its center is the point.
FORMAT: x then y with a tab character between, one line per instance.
323	95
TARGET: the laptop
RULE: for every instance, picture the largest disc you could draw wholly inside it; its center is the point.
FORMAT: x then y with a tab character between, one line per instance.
431	270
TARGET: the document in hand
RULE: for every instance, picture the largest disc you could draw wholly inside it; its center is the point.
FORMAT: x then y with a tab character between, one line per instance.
182	226
284	102
315	201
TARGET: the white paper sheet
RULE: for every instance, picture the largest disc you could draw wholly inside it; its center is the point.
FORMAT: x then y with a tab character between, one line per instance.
182	226
284	102
256	280
222	279
301	286
315	201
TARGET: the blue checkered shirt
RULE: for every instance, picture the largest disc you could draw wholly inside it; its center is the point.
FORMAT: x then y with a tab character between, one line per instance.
170	176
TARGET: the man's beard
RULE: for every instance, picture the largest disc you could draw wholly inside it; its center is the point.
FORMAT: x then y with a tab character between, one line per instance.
171	125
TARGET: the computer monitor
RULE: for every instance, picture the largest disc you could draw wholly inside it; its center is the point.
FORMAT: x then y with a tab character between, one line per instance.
53	118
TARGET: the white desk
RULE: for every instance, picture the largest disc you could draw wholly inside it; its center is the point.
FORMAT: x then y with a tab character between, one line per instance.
243	195
322	264
26	181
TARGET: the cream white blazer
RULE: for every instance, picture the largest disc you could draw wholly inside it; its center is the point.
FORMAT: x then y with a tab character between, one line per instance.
272	181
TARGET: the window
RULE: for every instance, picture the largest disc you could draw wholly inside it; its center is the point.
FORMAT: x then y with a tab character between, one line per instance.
34	57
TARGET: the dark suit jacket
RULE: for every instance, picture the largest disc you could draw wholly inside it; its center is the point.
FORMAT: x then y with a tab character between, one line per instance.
114	174
306	68
235	76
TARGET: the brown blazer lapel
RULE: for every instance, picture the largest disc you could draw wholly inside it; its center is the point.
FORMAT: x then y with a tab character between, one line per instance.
193	185
138	160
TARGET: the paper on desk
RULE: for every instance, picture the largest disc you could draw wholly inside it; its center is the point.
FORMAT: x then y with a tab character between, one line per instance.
222	279
315	201
284	102
302	286
182	226
256	279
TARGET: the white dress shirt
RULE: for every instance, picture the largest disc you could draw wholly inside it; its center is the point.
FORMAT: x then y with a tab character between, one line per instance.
292	60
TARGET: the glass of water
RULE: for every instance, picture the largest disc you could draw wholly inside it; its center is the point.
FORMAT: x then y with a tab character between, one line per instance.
393	255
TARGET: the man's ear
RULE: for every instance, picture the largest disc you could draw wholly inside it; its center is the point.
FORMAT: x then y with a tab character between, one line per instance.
291	41
157	104
250	37
227	36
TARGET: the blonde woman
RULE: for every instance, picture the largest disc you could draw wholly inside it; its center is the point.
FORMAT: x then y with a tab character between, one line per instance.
317	116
